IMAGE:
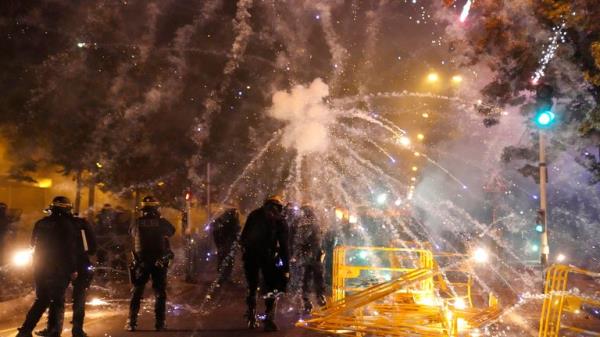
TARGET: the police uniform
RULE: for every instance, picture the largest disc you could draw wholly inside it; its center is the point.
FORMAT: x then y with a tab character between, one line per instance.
86	247
225	231
264	243
308	253
54	261
152	253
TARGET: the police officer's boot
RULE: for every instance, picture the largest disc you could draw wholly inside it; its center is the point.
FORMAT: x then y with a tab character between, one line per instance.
131	324
78	332
271	309
321	300
159	311
308	306
251	312
43	333
134	307
24	333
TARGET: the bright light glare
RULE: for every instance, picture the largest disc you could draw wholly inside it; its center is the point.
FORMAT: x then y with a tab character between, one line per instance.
465	11
353	219
561	258
363	254
382	198
22	258
404	141
460	304
420	136
44	183
535	248
398	202
339	214
456	79
432	77
480	255
96	302
544	118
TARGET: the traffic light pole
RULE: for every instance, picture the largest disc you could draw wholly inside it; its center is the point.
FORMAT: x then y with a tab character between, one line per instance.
545	249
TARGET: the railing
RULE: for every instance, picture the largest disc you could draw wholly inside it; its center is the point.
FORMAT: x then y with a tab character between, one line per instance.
558	301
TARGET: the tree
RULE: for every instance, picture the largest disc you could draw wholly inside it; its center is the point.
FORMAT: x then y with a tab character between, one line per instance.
494	37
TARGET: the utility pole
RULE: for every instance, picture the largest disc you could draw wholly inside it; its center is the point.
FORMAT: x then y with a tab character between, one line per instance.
77	192
208	210
545	249
91	200
544	119
187	239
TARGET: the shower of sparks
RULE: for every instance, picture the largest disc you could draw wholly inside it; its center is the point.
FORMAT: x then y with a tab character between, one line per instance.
549	52
465	11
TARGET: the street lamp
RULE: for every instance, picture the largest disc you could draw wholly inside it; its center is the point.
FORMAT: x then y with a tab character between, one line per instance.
433	77
456	79
404	141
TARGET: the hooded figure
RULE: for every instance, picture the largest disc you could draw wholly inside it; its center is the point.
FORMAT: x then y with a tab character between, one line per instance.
264	243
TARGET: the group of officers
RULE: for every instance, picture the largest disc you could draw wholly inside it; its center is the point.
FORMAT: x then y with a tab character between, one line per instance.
275	239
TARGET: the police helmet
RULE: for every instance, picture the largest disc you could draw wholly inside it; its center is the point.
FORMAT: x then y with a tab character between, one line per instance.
274	199
149	203
61	204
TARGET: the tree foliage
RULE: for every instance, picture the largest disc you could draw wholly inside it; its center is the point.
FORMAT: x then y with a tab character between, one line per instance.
511	38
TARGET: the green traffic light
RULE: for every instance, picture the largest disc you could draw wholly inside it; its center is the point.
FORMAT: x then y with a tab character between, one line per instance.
545	118
539	228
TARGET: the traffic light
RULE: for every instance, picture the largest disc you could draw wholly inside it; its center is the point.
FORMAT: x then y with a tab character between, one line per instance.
540	220
544	118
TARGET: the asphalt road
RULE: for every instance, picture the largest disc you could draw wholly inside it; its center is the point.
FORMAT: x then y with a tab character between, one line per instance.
189	314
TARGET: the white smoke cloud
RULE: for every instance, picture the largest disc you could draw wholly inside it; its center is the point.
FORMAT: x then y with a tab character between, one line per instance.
307	116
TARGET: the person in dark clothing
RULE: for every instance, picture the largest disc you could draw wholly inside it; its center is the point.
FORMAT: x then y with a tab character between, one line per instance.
105	220
151	256
86	247
307	252
264	243
54	240
225	231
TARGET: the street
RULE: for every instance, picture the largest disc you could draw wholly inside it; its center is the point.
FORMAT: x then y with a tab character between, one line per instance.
224	317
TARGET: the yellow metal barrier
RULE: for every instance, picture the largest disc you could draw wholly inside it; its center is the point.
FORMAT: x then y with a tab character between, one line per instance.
400	261
558	301
410	304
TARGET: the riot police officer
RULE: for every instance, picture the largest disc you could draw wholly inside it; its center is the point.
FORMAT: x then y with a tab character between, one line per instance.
225	231
264	243
54	239
86	247
308	254
151	257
